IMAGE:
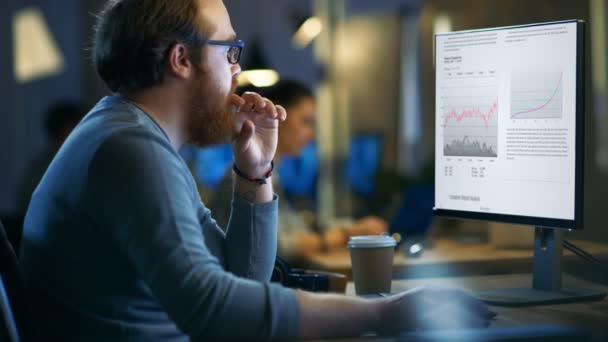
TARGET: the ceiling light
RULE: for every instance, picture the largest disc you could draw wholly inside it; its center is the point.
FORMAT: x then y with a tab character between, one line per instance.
35	52
308	31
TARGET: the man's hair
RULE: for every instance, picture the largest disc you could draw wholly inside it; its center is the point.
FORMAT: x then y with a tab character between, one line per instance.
287	92
133	37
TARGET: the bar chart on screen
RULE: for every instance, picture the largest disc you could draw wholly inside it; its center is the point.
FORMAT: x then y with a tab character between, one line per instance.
469	103
537	94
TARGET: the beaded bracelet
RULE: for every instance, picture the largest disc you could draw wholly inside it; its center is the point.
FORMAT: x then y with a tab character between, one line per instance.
260	181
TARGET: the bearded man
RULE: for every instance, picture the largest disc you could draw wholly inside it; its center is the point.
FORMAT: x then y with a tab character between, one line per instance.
117	245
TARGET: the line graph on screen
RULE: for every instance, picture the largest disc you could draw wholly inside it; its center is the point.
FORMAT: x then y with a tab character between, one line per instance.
537	94
470	117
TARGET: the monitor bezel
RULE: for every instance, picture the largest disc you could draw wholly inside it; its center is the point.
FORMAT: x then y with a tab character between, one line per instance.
577	222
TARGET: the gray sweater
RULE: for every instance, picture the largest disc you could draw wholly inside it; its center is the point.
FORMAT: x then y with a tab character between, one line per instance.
290	223
117	245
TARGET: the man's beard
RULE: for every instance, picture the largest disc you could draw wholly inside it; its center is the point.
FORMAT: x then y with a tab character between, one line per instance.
210	116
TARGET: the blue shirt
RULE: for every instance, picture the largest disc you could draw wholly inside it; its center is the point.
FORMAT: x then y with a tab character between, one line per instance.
117	245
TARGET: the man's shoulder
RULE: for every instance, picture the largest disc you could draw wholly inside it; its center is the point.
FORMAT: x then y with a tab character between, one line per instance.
113	131
117	123
113	113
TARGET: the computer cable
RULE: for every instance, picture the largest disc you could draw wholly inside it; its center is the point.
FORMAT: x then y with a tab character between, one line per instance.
580	252
584	255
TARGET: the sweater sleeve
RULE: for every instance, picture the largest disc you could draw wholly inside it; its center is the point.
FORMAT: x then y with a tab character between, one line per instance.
219	203
143	200
251	239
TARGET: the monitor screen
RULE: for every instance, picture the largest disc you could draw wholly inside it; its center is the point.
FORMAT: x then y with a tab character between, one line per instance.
210	164
509	124
363	162
299	173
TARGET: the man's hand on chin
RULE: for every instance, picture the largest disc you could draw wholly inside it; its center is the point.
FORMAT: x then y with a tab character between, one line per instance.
256	123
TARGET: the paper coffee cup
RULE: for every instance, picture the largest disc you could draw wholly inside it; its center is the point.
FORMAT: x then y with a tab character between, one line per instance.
372	263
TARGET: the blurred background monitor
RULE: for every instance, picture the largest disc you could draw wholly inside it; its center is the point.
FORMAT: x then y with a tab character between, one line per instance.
299	174
209	165
414	216
363	162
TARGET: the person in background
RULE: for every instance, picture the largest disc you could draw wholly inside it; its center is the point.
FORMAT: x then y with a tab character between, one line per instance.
61	119
297	238
117	244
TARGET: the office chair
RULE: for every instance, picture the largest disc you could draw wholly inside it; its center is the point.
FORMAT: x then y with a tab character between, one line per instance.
8	325
12	296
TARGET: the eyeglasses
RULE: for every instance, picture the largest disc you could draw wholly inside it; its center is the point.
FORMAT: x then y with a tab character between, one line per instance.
234	50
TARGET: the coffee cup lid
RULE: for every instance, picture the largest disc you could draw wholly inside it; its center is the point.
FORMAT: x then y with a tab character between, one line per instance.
371	241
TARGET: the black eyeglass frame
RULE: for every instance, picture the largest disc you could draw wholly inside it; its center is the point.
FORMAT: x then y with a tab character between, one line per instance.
235	47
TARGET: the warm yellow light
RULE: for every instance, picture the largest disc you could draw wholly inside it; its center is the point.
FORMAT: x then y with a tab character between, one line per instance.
309	30
36	53
259	78
442	23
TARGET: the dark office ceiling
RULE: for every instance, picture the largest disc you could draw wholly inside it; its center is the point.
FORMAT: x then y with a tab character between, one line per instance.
356	7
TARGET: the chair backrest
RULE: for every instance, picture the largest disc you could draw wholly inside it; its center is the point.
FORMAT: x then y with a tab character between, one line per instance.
12	297
8	325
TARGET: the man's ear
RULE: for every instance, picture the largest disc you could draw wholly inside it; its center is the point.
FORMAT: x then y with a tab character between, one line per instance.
178	61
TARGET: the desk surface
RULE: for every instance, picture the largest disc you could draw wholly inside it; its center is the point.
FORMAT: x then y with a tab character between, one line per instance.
449	258
591	316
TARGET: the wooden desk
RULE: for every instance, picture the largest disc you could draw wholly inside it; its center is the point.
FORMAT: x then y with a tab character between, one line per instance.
451	258
590	316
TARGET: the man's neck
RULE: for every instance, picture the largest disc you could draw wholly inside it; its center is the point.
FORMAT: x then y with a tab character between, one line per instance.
166	108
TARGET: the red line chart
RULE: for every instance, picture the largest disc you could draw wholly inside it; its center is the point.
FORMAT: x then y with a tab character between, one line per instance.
475	113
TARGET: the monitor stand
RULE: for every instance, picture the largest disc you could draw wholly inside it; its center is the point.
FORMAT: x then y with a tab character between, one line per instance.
547	278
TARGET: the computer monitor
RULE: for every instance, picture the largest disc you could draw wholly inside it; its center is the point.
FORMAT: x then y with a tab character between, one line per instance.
509	139
363	162
209	164
299	173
